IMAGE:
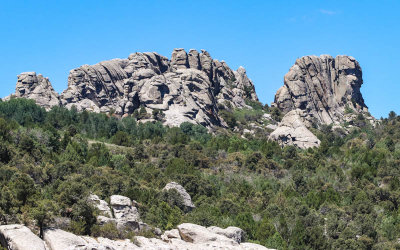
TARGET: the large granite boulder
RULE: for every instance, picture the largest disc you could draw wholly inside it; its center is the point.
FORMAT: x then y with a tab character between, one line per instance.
36	87
292	130
234	233
126	215
323	87
59	239
187	200
19	237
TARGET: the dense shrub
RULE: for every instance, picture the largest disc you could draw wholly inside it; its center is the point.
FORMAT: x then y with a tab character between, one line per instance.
343	195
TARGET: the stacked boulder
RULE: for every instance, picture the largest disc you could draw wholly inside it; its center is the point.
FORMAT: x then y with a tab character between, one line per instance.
124	214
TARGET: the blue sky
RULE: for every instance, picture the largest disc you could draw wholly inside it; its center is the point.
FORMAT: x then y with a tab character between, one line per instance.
266	37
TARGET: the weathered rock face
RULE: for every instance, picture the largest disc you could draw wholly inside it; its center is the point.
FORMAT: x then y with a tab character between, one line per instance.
292	130
59	239
101	205
187	236
126	215
234	233
187	200
38	88
323	87
19	237
186	88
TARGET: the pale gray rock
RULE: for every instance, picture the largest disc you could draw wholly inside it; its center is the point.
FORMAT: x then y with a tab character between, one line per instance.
198	234
187	236
101	220
19	237
119	200
36	87
187	200
194	59
126	215
233	233
101	205
253	246
272	126
59	239
170	234
179	59
323	87
106	244
292	130
203	238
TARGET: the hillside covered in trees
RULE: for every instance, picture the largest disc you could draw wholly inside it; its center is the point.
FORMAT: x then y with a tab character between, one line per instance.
345	194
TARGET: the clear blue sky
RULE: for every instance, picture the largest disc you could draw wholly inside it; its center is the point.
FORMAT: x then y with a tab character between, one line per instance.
266	37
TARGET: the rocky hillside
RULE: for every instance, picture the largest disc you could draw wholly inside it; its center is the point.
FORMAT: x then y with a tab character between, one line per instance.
127	218
188	87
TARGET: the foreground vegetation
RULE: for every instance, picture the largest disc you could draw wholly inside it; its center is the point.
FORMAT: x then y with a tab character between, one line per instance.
343	195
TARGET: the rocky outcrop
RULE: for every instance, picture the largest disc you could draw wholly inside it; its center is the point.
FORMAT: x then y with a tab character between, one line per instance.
323	87
126	215
187	200
19	237
36	87
187	236
101	205
186	88
292	130
59	239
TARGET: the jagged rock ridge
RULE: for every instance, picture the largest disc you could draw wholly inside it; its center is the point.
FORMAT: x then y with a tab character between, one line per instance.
189	87
324	87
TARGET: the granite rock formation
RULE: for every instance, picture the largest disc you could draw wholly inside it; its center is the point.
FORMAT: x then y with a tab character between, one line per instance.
38	88
292	130
317	91
188	88
187	236
101	205
124	215
19	237
186	199
323	87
